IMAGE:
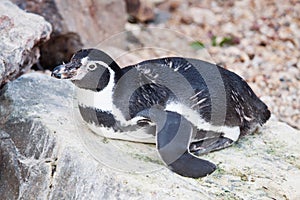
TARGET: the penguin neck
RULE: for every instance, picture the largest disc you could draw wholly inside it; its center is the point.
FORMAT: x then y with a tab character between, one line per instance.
117	71
98	100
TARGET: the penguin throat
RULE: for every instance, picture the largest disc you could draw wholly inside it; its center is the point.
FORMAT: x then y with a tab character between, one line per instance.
100	97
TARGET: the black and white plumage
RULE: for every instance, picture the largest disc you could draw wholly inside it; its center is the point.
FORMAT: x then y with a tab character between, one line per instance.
186	106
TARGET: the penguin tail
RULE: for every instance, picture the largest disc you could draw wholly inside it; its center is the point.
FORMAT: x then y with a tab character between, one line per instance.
265	115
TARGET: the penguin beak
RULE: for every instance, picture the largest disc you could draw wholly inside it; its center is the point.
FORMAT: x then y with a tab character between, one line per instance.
65	71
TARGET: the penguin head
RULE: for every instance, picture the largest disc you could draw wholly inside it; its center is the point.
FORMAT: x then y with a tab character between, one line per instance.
90	69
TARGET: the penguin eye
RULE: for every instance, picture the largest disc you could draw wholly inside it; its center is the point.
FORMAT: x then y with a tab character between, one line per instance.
91	67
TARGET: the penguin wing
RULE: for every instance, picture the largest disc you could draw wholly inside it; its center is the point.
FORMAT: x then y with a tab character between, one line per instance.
173	136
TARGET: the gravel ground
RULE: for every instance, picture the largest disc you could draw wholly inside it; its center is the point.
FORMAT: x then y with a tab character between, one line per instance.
259	40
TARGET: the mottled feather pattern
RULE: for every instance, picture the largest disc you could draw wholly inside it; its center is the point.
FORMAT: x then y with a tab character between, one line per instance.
200	100
243	107
239	112
146	96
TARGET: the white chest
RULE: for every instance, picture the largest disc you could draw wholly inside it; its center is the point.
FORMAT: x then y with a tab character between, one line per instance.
101	100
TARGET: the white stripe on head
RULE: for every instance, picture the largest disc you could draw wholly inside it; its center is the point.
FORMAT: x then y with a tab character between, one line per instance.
101	100
84	60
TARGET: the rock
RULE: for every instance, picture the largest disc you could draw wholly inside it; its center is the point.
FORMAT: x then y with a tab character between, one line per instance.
140	10
76	24
20	33
10	175
57	50
203	16
153	42
59	158
186	19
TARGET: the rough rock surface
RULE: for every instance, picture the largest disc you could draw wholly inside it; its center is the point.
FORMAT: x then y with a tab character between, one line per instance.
20	32
140	10
47	153
76	23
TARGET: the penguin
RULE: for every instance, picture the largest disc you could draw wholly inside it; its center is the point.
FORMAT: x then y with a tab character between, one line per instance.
187	107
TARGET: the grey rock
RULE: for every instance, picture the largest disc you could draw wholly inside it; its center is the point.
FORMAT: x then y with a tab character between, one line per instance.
52	155
10	174
93	21
20	32
203	16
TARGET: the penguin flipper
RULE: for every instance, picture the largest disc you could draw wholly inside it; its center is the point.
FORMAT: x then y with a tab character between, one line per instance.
173	135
